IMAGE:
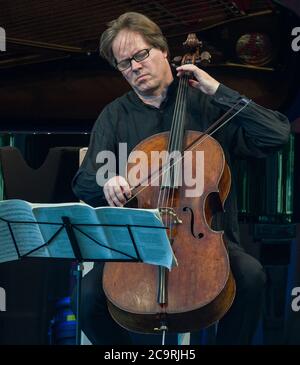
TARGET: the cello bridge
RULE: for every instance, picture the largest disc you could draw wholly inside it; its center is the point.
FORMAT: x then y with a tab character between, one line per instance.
171	212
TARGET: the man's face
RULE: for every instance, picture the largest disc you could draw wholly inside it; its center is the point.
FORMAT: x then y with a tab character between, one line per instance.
146	77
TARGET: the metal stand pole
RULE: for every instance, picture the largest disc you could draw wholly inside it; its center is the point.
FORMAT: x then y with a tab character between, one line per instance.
79	270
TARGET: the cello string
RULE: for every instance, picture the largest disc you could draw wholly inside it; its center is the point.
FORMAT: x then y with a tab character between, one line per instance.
177	104
164	187
181	121
166	190
205	136
160	198
176	141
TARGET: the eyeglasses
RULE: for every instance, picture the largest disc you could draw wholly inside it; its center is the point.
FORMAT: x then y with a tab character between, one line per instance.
138	57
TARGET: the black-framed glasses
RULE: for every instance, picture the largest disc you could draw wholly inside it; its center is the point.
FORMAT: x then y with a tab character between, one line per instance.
138	57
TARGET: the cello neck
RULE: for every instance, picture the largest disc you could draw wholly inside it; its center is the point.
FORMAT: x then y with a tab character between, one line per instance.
175	144
179	117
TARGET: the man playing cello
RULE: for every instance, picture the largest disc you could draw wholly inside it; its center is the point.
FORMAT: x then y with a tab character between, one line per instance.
136	47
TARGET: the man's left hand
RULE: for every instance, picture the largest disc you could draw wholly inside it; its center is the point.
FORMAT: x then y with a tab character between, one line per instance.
203	82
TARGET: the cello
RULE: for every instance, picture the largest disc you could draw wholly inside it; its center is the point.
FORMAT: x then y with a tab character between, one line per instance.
200	290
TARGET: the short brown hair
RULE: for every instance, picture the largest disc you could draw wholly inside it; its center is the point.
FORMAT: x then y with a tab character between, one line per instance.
135	22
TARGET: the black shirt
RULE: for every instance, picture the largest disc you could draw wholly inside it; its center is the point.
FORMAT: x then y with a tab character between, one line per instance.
255	132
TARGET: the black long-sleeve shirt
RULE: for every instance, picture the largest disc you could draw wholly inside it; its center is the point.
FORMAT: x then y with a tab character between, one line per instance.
255	131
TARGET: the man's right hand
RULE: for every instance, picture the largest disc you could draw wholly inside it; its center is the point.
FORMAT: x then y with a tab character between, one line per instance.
117	191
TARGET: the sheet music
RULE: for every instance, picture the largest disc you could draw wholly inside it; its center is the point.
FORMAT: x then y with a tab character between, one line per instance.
27	236
77	213
96	242
151	242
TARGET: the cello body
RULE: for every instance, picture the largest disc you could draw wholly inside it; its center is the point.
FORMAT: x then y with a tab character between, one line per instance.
201	289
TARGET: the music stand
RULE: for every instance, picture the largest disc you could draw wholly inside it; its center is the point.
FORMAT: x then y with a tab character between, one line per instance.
76	247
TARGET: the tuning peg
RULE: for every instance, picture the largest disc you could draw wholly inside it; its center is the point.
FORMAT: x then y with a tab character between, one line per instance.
176	61
205	58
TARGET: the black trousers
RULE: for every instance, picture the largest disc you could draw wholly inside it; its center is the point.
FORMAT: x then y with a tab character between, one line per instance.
237	327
